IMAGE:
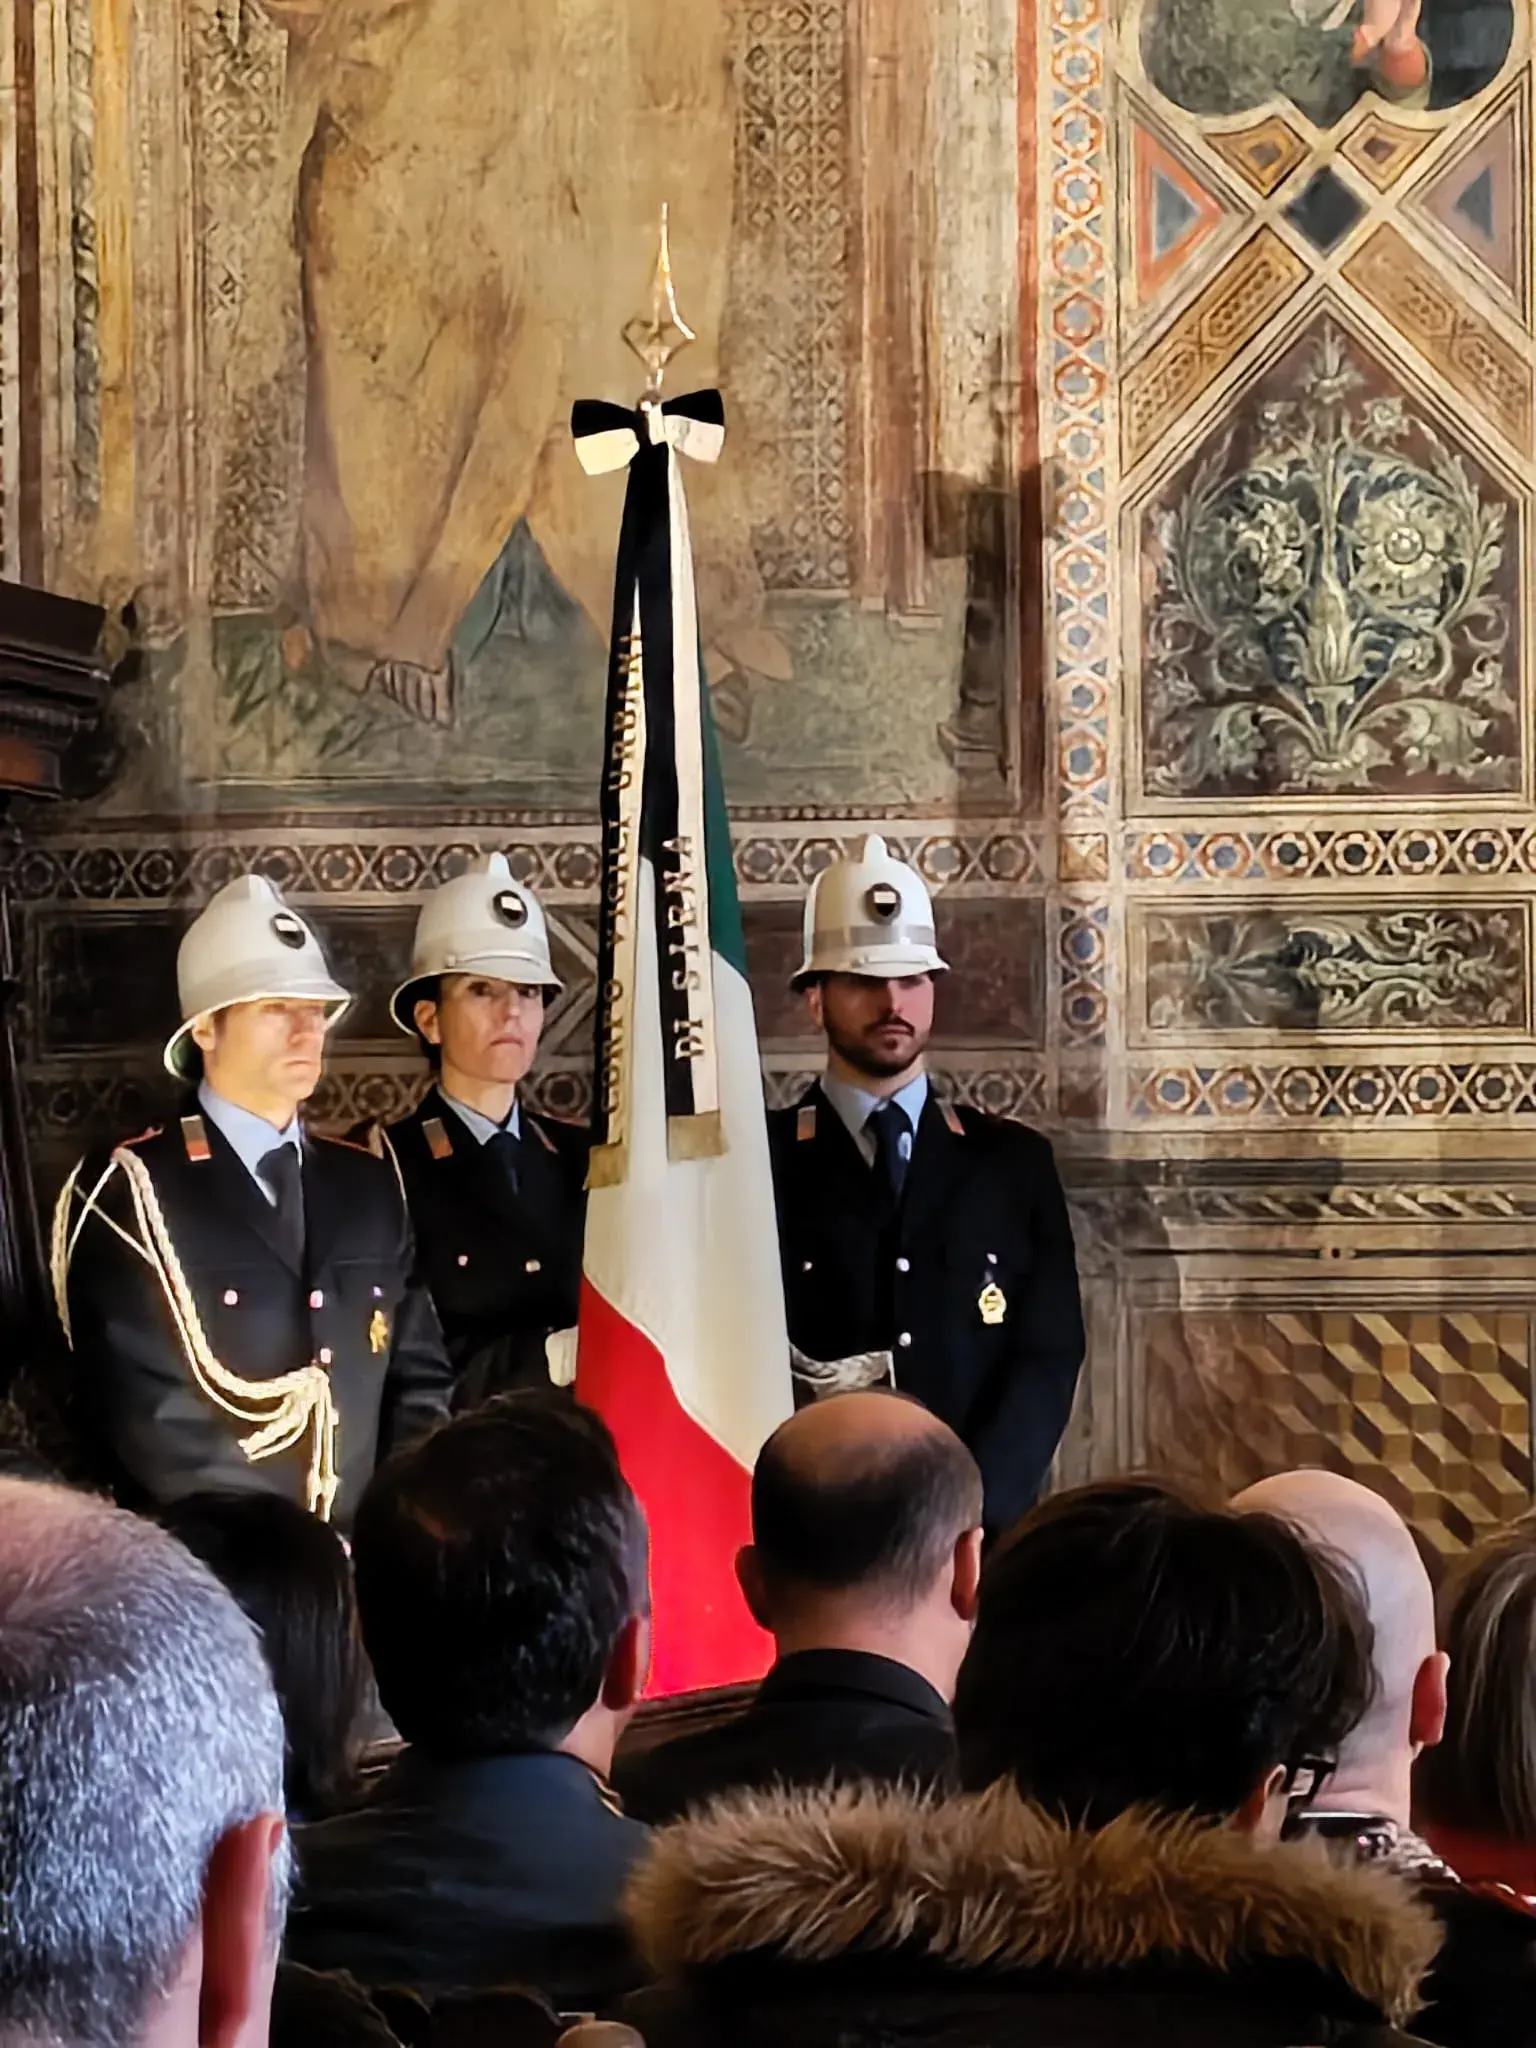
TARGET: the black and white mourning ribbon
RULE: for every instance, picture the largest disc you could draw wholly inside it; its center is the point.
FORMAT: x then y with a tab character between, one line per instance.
653	794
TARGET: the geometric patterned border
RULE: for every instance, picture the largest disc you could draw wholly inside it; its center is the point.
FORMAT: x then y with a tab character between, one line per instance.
1301	1092
1438	1206
1297	853
109	866
1079	287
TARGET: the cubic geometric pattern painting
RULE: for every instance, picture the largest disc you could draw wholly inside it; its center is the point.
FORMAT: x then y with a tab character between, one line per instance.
1432	1410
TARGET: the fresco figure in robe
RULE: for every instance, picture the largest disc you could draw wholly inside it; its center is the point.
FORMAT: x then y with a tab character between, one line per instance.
1229	56
476	186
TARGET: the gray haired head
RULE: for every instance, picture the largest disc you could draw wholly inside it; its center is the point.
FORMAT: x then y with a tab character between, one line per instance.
138	1725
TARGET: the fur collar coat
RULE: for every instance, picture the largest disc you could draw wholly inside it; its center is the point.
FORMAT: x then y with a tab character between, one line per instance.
866	1917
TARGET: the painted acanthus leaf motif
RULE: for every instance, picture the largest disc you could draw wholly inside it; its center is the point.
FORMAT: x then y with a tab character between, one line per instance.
1327	610
1435	969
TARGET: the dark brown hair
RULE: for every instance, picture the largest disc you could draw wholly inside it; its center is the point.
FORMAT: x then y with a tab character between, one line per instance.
1134	1648
1482	1776
290	1574
498	1562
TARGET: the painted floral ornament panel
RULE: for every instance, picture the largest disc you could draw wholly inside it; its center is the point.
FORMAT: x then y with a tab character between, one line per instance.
1334	589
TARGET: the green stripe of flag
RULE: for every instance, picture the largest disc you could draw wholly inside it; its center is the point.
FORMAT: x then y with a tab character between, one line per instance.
725	933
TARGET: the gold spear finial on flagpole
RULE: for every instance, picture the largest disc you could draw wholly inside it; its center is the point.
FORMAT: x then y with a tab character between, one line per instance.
661	333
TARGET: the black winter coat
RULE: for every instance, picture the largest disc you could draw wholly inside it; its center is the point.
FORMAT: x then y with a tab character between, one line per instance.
820	1715
471	1874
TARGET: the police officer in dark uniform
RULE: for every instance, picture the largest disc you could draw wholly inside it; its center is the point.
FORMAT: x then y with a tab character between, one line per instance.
239	1294
496	1193
922	1242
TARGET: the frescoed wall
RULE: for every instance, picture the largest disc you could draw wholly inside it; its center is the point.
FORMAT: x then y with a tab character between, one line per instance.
1126	508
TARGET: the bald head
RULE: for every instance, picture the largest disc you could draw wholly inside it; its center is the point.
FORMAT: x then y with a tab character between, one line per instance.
865	1492
855	1432
1360	1529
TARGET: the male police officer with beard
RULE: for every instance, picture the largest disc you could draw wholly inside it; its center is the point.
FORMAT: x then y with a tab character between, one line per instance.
922	1242
239	1293
496	1192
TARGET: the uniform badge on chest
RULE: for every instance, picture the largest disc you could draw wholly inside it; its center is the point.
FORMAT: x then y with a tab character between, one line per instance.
378	1332
993	1304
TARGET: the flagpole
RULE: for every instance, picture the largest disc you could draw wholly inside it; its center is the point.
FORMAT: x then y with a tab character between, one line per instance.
661	333
682	1347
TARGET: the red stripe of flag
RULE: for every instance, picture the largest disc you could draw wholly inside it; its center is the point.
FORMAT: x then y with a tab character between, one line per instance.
697	1499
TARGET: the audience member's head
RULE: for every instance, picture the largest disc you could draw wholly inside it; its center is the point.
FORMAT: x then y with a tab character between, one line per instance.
866	1534
1481	1780
1135	1649
1407	1712
291	1574
501	1579
143	1857
326	2009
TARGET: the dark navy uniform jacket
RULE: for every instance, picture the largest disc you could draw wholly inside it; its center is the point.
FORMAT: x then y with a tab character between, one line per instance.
503	1264
353	1304
471	1873
970	1282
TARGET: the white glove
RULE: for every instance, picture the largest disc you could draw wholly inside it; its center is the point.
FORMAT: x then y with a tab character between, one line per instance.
821	1377
560	1352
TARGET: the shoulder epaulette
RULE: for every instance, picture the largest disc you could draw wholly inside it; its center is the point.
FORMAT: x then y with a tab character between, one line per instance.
439	1144
194	1135
951	1116
805	1123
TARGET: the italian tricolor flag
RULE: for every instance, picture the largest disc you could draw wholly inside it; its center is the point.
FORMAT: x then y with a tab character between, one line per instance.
683	1348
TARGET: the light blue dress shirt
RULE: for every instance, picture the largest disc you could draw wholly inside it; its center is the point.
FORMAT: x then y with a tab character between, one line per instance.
251	1136
856	1106
480	1126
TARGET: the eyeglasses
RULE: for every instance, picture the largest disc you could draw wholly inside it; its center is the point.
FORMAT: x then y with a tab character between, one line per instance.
1305	1778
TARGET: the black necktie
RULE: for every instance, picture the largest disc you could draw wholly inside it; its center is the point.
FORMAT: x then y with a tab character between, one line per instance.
891	1128
281	1172
503	1150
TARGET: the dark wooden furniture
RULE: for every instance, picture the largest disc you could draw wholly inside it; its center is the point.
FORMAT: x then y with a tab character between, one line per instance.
55	679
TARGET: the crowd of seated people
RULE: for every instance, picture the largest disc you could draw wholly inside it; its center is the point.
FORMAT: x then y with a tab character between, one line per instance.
1158	1770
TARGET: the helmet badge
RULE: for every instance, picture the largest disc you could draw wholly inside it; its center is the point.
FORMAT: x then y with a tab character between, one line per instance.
883	902
510	908
290	930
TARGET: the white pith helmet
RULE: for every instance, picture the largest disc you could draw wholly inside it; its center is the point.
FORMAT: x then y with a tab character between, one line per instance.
869	914
247	947
482	922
